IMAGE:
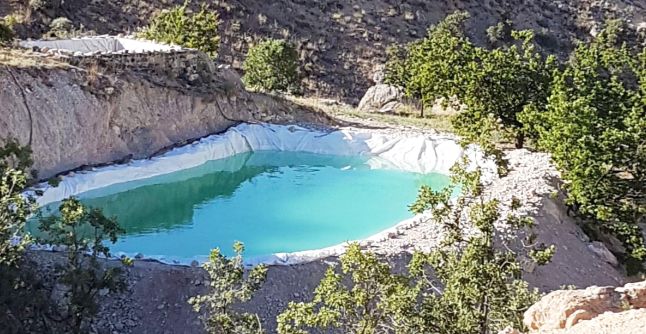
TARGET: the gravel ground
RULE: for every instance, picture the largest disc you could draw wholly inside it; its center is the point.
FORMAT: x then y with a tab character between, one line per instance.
156	299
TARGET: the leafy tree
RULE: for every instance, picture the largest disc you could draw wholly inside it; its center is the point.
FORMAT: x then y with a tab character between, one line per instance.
193	30
14	207
595	128
272	65
430	68
478	287
496	85
499	85
83	230
21	302
376	301
229	286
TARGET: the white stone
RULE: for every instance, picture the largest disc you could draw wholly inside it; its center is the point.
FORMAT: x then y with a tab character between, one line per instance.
381	98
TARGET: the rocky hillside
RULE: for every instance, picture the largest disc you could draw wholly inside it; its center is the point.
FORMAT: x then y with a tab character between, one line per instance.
73	117
341	41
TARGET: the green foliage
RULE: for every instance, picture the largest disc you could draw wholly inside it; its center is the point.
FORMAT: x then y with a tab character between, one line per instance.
229	286
12	20
595	128
590	116
499	85
38	4
127	261
61	27
543	255
478	287
376	301
193	30
83	230
21	297
14	210
500	33
6	33
14	207
429	68
14	156
272	65
482	290
495	85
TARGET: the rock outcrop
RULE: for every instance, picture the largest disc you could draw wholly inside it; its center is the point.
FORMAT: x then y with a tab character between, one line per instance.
381	98
599	310
73	117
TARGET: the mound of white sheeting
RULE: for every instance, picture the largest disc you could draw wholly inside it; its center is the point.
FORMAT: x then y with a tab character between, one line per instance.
386	149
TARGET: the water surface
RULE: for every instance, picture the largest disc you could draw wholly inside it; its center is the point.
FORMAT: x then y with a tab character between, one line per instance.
272	201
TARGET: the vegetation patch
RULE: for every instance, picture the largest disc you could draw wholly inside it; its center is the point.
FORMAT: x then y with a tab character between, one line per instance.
587	112
272	65
6	33
192	30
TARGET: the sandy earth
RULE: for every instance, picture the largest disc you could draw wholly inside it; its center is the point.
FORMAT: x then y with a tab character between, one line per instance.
156	298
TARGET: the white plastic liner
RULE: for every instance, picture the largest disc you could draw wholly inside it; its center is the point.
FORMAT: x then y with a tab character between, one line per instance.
387	150
107	44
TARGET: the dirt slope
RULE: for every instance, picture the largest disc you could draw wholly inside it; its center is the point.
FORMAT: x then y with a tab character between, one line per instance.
341	41
72	118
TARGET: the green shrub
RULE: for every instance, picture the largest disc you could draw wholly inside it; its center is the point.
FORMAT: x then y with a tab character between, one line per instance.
356	300
38	4
61	27
14	208
18	300
6	33
482	287
177	26
272	65
500	84
83	230
589	114
229	286
500	33
54	181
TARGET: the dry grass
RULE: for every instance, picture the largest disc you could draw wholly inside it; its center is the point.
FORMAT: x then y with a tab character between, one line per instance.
25	59
407	116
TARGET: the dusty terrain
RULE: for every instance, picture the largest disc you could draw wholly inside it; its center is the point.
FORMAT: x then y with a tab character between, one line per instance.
340	42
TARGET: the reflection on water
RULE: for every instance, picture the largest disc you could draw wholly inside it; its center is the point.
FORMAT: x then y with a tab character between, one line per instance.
272	201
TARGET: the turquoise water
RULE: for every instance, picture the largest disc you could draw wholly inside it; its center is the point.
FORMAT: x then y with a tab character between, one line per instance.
271	201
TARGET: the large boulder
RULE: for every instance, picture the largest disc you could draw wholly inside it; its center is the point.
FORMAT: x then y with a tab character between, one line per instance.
575	311
627	322
381	98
